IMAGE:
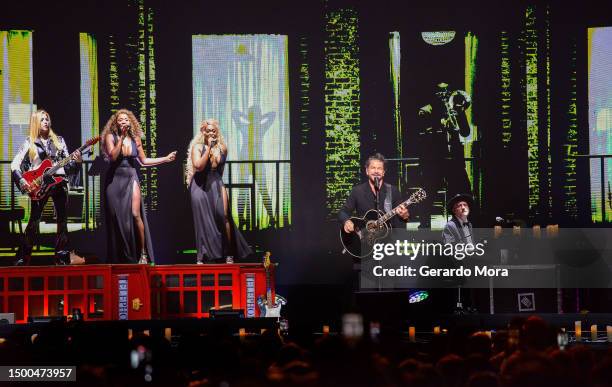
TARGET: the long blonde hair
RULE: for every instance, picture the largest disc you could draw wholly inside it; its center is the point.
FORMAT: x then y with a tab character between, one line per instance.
35	132
111	126
200	138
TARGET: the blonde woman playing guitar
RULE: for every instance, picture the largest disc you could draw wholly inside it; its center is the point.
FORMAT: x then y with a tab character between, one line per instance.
43	144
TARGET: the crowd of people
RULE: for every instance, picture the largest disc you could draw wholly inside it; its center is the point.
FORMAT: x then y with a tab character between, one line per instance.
526	354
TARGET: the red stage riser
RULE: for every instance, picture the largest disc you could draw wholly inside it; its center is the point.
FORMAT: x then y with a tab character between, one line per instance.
83	287
34	290
173	279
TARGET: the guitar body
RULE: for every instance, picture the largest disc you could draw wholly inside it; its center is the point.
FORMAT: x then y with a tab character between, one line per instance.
373	227
41	184
360	243
273	310
269	305
42	180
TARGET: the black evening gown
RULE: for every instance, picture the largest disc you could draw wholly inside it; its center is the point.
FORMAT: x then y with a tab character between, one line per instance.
122	236
206	189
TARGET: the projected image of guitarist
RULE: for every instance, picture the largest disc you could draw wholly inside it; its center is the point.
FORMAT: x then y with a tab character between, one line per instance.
39	147
374	198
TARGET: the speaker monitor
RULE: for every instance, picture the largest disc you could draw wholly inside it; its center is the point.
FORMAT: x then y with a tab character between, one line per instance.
7	318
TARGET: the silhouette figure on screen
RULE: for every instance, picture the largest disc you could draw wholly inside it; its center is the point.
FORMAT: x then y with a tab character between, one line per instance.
441	123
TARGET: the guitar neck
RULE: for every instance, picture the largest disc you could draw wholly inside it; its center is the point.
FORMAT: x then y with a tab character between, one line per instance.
414	198
386	217
268	289
63	162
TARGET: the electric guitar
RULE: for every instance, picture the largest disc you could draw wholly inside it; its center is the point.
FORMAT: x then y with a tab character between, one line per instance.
41	179
269	306
372	227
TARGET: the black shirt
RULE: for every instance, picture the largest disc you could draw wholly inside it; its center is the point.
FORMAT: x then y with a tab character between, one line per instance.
362	199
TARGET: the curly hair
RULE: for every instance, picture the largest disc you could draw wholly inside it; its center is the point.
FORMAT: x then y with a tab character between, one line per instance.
200	138
111	126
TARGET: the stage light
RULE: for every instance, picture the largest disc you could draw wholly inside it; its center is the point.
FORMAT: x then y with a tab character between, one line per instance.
578	330
412	334
438	38
417	296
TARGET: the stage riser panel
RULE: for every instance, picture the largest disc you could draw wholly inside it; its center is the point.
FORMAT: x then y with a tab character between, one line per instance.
131	292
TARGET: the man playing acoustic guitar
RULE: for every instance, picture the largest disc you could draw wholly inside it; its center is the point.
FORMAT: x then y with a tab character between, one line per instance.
43	143
373	194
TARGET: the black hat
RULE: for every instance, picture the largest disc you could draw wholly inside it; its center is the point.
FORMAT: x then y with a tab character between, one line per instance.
458	198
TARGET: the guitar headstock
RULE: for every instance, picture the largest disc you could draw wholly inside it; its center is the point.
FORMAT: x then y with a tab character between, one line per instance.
92	141
417	196
266	260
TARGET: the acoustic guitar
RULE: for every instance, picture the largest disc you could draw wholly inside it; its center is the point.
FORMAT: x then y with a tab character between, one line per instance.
372	227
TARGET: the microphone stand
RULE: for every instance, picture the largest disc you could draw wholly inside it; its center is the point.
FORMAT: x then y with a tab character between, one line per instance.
377	191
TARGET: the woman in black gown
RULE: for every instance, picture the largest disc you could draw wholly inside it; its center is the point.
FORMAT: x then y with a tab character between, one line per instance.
127	227
216	234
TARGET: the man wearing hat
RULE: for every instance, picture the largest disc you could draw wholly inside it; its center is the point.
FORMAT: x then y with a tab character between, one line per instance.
459	229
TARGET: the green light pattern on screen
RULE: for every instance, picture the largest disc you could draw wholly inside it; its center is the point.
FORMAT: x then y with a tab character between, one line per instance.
146	97
570	146
506	90
342	114
471	51
243	82
142	96
113	74
394	71
548	108
136	56
152	102
531	102
600	119
90	118
16	105
304	91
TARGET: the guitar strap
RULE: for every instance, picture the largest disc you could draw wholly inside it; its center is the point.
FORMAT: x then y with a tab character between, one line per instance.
388	202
